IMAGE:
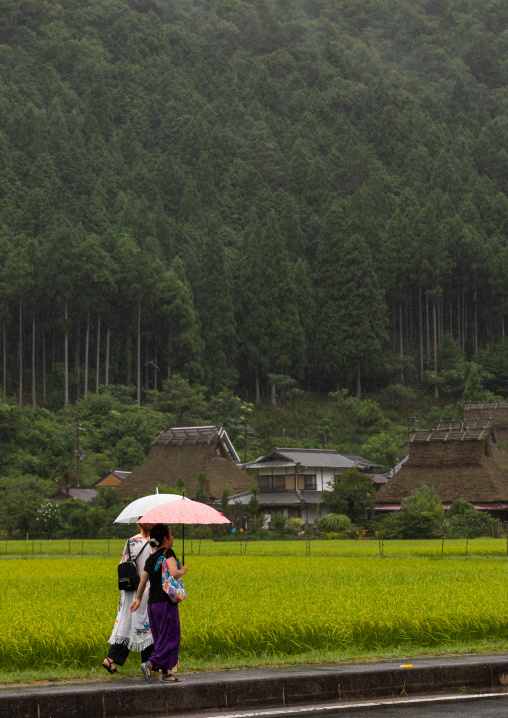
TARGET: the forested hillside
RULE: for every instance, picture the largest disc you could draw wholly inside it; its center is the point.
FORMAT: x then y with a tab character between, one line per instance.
245	188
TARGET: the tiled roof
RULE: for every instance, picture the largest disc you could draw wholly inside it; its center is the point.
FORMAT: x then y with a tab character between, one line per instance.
285	458
121	474
361	461
84	494
279	498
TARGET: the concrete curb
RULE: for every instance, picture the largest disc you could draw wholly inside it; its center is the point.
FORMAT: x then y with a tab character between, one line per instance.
256	688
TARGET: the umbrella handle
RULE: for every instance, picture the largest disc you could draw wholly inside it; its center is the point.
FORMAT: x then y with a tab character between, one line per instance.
183	544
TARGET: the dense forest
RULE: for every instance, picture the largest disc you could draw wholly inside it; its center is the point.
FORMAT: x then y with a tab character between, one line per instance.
248	192
207	205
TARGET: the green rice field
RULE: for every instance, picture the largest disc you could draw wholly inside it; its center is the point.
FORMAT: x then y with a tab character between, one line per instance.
272	605
368	548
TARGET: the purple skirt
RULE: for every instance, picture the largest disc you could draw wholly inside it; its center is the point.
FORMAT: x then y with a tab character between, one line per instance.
165	626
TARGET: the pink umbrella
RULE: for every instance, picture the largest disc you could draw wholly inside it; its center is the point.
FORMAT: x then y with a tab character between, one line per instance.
183	511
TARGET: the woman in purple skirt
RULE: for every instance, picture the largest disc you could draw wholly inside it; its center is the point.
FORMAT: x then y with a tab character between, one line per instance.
162	612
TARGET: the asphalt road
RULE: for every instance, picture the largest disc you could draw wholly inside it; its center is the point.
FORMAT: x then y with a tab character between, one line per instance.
473	706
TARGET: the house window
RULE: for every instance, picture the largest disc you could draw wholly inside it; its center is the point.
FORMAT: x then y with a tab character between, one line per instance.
309	482
272	483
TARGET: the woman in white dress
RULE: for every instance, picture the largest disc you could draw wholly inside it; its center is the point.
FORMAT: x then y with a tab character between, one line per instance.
131	631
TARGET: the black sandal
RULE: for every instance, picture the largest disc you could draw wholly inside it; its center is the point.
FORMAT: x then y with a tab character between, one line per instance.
108	665
171	678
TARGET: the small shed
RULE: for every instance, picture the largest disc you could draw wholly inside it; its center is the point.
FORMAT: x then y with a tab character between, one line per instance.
459	461
114	478
185	452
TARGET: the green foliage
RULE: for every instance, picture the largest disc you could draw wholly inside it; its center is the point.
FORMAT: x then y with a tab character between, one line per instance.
296	525
420	516
350	493
21	501
382	449
201	494
464	521
339	524
279	523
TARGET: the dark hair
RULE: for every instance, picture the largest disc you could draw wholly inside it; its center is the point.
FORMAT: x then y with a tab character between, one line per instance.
157	534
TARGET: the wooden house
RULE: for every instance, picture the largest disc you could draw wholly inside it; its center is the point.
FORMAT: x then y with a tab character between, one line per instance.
459	461
87	495
185	452
291	481
114	478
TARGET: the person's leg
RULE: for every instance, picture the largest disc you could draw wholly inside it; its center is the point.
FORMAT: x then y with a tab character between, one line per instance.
146	653
117	654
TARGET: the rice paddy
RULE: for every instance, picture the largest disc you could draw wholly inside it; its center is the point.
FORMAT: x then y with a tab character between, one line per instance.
271	605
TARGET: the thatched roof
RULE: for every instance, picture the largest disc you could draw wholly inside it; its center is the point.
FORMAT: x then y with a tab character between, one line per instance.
475	430
485	481
187	451
496	412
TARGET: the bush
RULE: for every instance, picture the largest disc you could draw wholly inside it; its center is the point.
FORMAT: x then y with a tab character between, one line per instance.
421	516
334	523
279	523
296	525
464	521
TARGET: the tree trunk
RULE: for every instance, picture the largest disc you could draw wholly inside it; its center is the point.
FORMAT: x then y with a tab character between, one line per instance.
66	359
258	393
428	328
434	317
98	355
502	318
155	372
87	349
138	395
20	400
459	323
273	398
78	357
420	321
5	364
33	362
358	382
44	369
128	358
475	324
401	344
106	377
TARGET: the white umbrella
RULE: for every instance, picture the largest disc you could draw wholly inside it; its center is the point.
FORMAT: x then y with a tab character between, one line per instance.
139	507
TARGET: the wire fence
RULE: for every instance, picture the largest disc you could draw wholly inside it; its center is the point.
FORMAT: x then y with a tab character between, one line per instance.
41	548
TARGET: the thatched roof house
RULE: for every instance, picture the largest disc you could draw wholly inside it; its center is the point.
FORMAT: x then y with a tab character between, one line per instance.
187	451
458	461
495	412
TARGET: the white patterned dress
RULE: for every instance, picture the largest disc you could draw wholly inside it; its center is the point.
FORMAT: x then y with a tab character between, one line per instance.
133	629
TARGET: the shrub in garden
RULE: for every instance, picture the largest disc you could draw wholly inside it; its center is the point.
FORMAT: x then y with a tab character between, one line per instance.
279	523
295	525
335	523
464	521
420	516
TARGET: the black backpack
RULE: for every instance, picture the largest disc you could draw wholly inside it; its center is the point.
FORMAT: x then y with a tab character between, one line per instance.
128	578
